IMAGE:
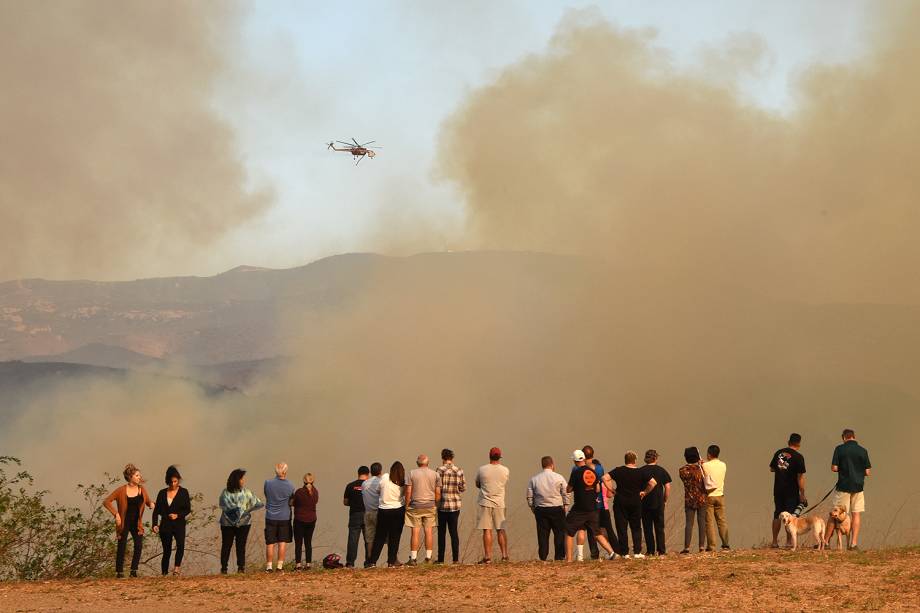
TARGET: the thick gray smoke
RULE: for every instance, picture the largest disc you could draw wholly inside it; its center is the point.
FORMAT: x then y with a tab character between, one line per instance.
114	162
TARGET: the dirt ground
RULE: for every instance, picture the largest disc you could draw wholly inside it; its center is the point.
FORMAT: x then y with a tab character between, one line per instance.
751	580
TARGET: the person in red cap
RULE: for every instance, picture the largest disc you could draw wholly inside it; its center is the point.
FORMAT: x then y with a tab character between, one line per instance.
491	480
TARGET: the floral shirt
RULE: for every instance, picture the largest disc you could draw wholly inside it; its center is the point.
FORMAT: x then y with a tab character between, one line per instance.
694	491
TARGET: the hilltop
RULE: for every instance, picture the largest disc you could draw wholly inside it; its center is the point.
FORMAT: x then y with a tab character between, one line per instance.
753	580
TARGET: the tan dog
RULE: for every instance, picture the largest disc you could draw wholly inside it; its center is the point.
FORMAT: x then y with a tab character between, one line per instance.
839	521
800	525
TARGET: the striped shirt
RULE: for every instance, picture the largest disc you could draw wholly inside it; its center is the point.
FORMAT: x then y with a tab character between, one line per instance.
453	484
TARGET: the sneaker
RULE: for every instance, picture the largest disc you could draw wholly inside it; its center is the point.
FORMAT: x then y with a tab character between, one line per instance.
412	562
240	570
370	565
395	564
506	559
427	560
223	571
119	575
709	550
726	548
436	561
853	548
298	566
684	551
485	561
268	569
134	573
349	566
308	566
638	556
612	555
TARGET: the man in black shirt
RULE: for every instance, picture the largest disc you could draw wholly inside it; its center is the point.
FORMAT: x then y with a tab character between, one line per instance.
631	487
653	504
584	486
788	468
354	500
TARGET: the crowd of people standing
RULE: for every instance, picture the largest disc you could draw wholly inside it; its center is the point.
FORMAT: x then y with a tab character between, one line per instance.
575	511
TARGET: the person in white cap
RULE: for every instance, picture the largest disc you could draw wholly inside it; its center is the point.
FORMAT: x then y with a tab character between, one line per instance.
584	486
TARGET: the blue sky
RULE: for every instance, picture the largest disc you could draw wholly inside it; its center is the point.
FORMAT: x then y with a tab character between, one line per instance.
309	72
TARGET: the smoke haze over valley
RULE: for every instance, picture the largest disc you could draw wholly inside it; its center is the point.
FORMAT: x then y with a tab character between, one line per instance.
650	261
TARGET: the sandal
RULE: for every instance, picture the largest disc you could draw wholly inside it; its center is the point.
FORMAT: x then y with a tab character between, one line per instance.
176	572
485	561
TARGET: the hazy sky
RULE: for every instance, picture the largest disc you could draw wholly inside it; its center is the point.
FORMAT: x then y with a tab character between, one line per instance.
307	73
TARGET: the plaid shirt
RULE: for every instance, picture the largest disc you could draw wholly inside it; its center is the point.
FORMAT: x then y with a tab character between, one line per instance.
453	484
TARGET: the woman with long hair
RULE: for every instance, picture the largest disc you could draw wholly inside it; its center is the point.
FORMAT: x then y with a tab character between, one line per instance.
304	502
236	506
391	515
173	505
130	500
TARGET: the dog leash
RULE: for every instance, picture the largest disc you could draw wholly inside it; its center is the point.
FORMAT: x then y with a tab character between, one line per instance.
814	506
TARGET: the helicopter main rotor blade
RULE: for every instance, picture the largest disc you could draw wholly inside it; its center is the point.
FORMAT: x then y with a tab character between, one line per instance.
341	142
356	141
367	143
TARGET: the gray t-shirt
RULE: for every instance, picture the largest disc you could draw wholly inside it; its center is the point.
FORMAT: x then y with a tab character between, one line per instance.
278	493
423	481
491	480
371	494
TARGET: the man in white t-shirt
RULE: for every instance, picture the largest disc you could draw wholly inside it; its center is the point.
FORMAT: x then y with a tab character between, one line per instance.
714	481
491	480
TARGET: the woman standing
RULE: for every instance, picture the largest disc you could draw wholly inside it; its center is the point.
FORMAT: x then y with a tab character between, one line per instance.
130	499
304	502
236	505
173	505
691	474
391	515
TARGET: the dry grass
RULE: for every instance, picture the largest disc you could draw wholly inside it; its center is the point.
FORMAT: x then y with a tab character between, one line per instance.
751	580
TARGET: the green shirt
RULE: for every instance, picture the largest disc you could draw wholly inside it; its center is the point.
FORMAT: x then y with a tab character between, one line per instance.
851	461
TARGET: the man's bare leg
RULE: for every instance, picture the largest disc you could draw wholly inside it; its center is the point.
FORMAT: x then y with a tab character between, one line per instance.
854	528
269	555
503	542
487	544
569	542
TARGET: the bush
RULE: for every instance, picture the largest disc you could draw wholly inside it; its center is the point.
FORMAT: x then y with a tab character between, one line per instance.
41	540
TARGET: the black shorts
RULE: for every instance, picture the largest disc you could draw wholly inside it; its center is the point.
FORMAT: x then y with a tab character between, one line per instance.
581	520
278	531
784	503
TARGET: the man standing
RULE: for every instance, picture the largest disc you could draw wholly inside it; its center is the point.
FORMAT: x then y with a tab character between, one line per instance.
851	463
354	500
278	493
491	480
653	505
584	485
714	471
370	494
546	494
423	492
631	487
788	468
453	484
603	515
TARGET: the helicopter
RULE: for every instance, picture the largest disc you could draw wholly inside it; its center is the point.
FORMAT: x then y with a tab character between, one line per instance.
358	150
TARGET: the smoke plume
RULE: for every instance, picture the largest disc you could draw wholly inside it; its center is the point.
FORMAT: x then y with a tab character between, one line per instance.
114	162
602	146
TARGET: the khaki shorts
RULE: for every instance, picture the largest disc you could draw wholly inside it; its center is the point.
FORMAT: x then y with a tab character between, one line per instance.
851	503
488	518
422	518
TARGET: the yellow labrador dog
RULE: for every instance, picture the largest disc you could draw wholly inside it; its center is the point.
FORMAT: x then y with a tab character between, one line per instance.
800	525
839	522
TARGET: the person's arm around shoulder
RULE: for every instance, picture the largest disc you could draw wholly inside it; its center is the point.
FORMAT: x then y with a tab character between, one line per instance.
407	492
648	488
437	489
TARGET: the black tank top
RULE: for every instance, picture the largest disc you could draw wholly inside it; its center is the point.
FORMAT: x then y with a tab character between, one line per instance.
134	510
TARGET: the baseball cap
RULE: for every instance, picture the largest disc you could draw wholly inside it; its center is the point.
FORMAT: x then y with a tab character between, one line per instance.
495	452
578	455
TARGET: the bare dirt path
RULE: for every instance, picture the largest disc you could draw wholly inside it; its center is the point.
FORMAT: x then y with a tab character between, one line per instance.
745	580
